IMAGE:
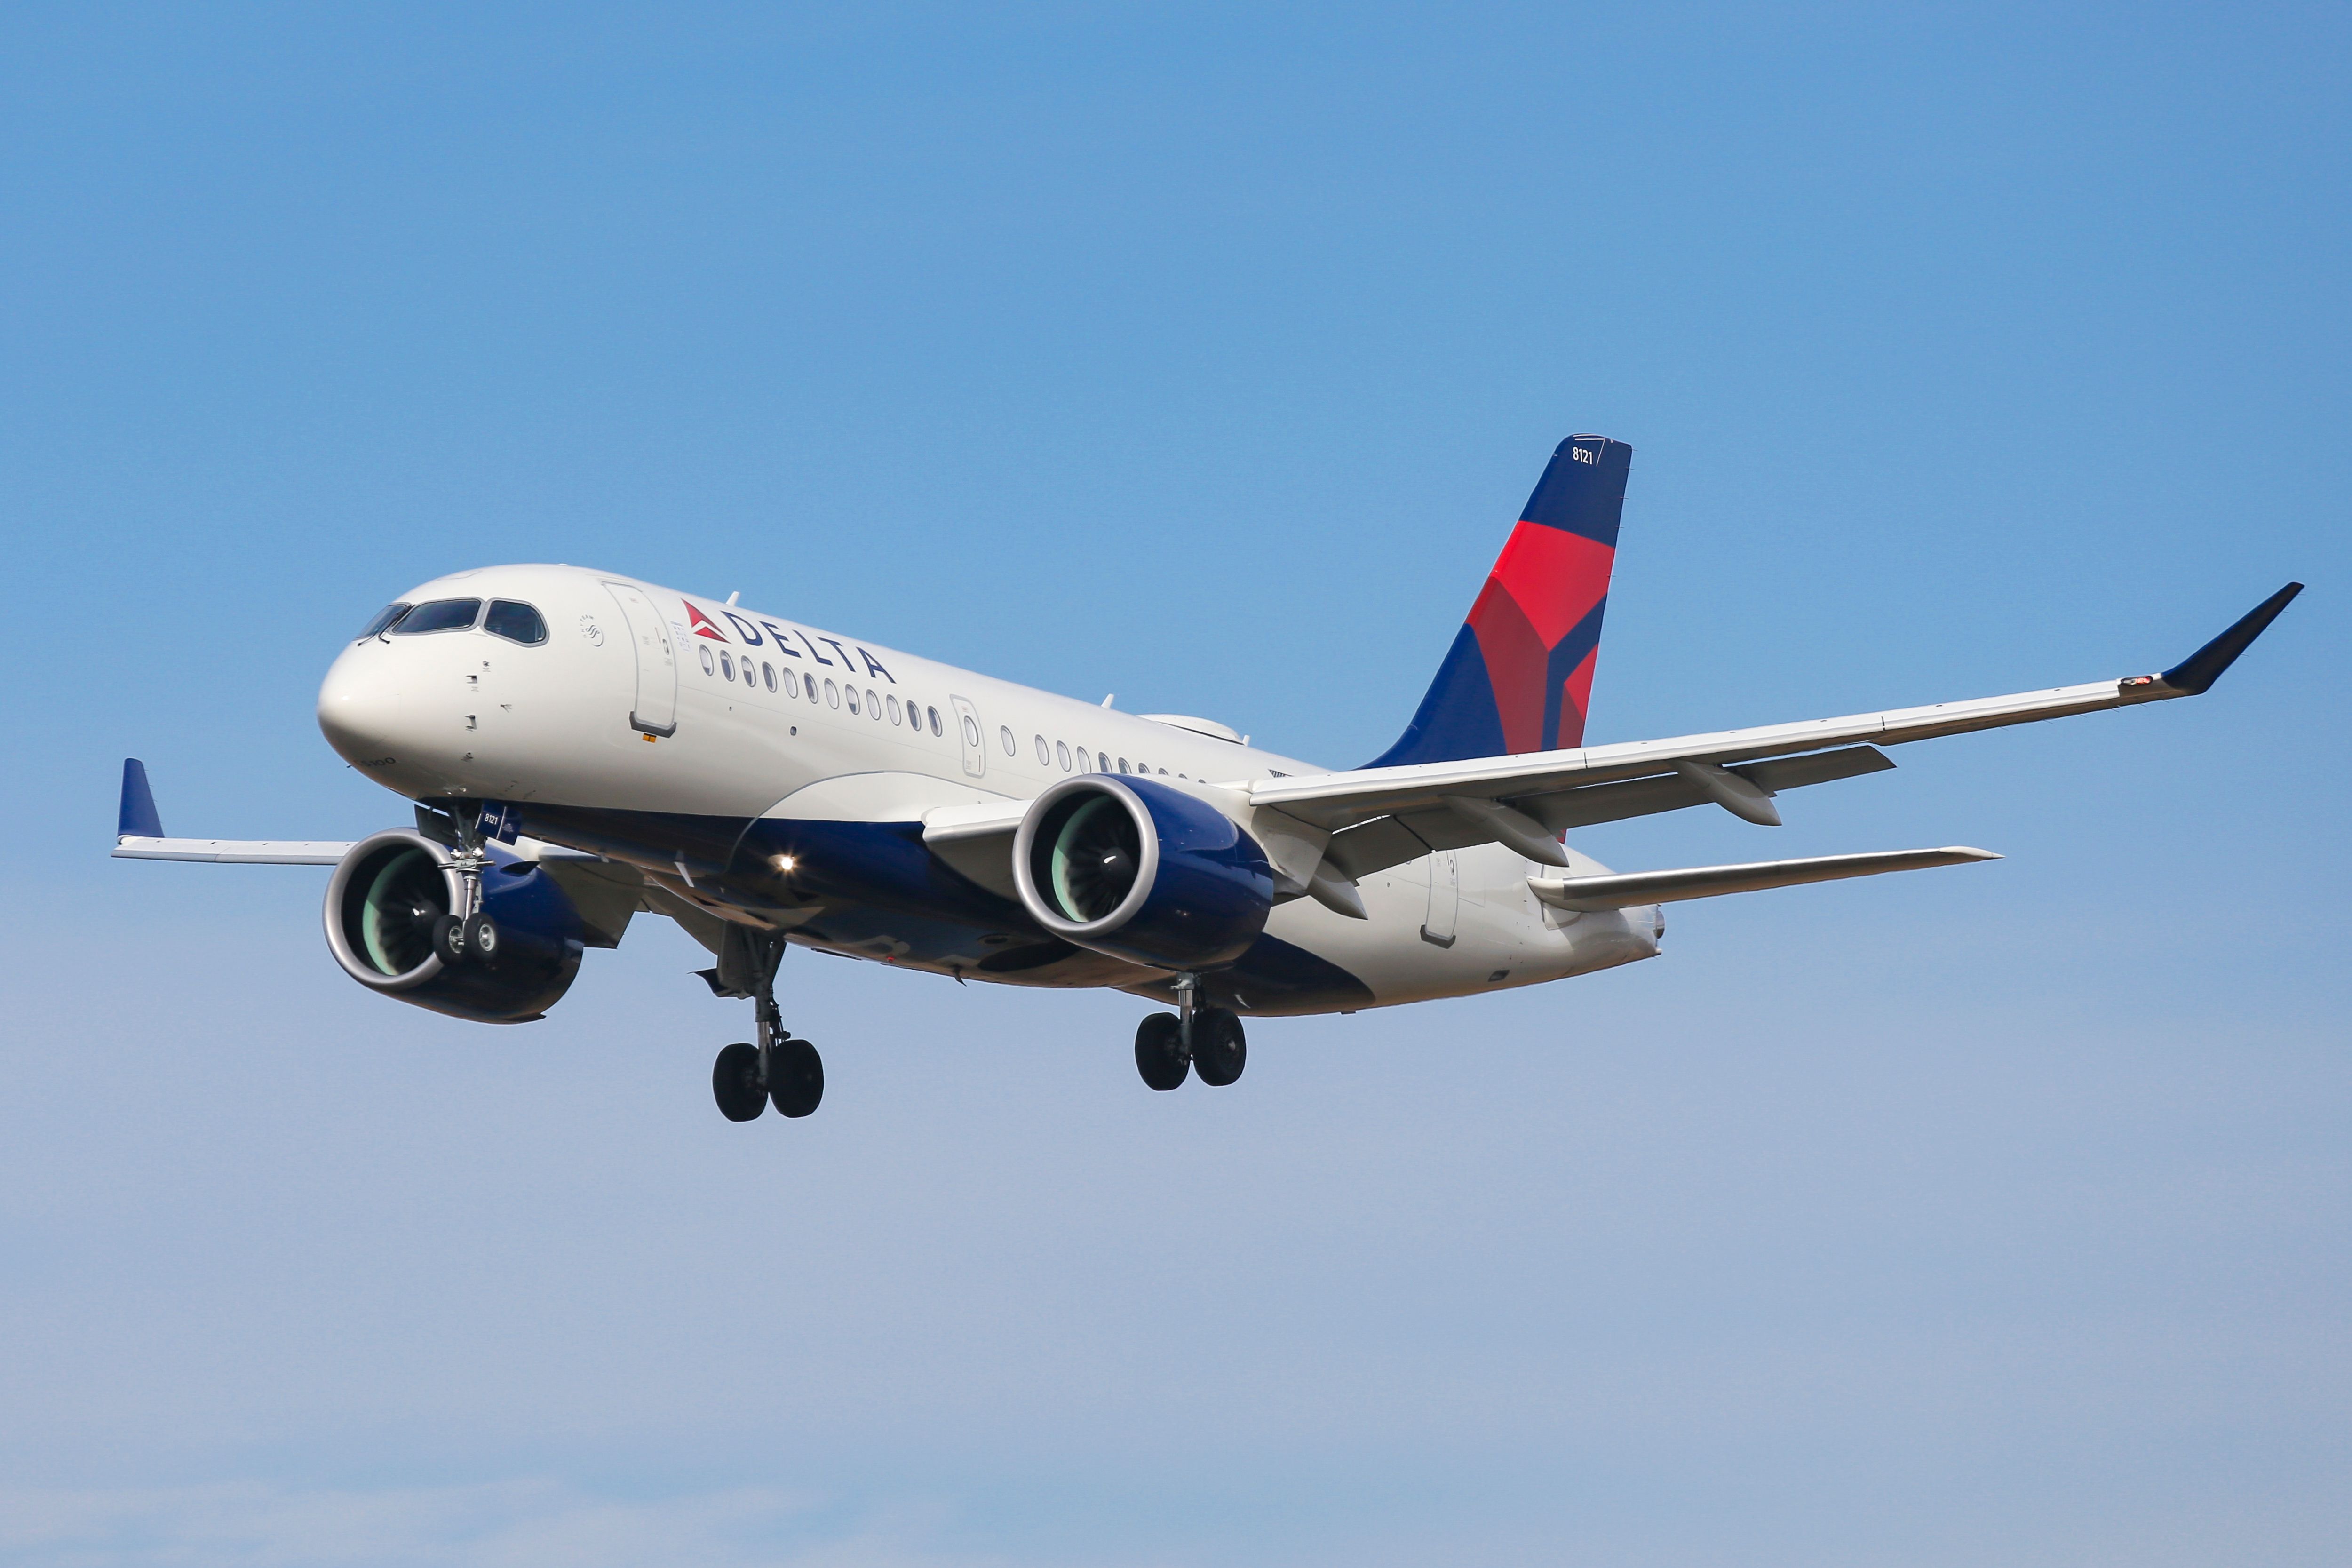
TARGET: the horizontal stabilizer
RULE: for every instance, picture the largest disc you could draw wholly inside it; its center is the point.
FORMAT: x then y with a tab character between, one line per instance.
1631	888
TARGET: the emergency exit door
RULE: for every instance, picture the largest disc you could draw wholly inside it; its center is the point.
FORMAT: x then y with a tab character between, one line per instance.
1444	899
968	732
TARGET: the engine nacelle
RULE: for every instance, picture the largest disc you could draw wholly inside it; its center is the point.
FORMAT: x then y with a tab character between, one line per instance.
1142	871
387	892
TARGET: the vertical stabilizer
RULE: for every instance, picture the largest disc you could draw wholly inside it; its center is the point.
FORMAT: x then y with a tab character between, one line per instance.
1519	675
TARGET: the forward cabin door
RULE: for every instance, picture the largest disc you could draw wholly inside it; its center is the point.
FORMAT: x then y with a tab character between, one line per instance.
655	711
1444	899
967	730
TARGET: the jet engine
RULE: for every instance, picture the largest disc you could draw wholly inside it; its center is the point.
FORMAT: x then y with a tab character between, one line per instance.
1140	870
389	890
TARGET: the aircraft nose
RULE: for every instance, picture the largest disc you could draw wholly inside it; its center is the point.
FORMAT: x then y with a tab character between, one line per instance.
363	710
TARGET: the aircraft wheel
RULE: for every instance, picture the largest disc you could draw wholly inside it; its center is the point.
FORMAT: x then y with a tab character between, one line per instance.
1160	1051
1219	1048
482	939
795	1077
449	940
735	1083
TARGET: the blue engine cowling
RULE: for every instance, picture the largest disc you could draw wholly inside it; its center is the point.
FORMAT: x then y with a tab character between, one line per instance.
389	888
1140	870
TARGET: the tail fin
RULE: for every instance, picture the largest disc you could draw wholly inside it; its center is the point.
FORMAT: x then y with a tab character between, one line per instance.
1519	675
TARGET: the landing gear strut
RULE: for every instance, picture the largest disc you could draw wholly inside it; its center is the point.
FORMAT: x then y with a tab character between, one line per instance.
788	1072
466	932
1207	1041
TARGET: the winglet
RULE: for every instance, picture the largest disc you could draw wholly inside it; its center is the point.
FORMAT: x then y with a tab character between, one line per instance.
138	818
2195	674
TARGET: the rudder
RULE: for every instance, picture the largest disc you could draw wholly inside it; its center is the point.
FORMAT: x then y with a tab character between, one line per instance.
1519	675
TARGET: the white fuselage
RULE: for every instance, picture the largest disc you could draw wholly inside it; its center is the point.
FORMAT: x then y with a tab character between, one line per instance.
772	721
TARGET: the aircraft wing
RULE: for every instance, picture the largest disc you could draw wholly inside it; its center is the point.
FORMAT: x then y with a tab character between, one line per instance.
235	851
1378	817
1627	890
139	836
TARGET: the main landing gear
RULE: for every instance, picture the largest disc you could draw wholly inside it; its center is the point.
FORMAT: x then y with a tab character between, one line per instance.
1206	1041
780	1070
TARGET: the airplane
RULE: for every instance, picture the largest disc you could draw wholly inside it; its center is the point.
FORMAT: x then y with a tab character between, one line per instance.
580	747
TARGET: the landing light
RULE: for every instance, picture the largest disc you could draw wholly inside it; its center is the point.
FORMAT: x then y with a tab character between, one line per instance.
786	862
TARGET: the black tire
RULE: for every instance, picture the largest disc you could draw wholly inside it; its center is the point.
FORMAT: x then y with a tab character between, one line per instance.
795	1077
482	938
1160	1051
735	1083
1219	1051
449	940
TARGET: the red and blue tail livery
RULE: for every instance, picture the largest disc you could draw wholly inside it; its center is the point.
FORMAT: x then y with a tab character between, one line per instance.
1520	676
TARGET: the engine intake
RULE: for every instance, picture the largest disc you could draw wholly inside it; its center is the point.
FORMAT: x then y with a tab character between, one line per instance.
389	888
1142	871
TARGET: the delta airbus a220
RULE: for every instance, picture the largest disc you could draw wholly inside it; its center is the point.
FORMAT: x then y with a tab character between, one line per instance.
581	747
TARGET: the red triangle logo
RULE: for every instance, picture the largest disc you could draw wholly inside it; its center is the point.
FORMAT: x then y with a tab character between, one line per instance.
700	624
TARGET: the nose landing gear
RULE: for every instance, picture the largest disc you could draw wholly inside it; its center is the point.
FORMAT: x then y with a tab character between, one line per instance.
780	1070
467	934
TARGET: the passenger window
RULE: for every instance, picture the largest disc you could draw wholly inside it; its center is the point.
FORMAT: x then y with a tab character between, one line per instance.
811	684
751	675
439	615
1102	762
852	692
894	709
768	674
1122	764
727	665
709	665
384	620
1004	737
832	695
792	682
1044	754
971	730
516	621
1062	754
936	728
873	706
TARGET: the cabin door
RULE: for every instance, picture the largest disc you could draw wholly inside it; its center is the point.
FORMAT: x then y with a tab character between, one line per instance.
655	711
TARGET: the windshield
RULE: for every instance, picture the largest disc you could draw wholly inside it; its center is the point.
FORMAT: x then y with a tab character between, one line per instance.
438	616
384	620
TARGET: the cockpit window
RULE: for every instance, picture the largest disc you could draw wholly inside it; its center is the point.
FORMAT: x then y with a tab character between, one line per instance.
438	616
384	619
516	621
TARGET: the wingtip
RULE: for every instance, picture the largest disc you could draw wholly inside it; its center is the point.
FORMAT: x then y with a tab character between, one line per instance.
137	818
1969	852
2195	674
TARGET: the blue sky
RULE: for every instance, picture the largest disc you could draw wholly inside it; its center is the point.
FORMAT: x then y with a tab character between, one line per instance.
1202	355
